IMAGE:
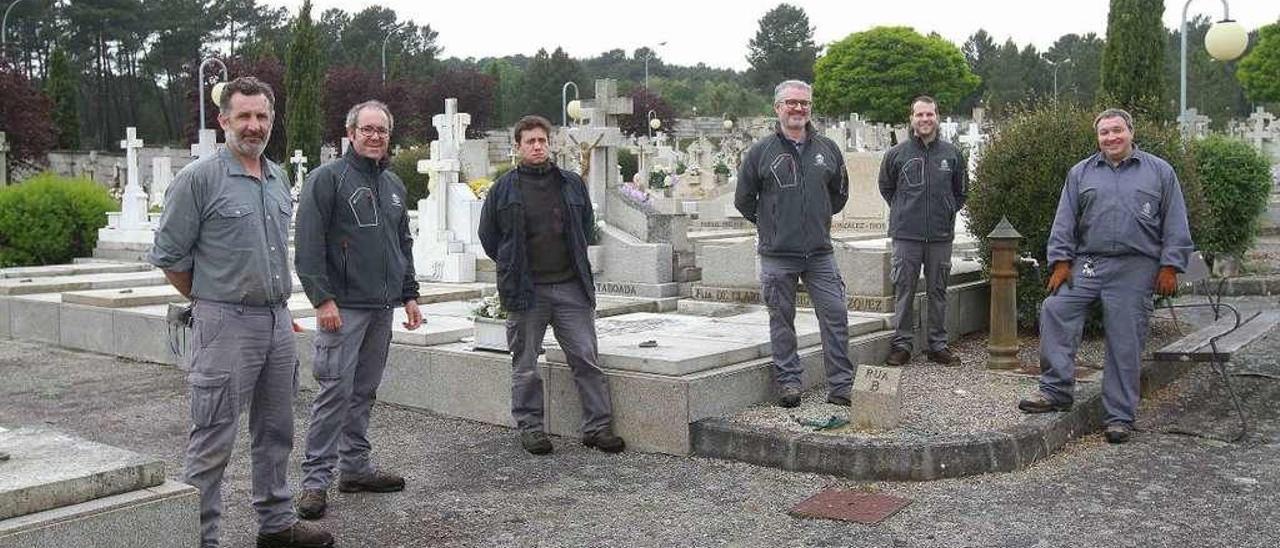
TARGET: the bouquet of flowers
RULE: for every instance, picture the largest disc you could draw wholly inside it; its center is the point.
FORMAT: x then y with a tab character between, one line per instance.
659	177
490	307
635	193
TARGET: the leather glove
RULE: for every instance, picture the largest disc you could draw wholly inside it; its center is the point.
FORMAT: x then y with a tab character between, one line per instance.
1166	281
1061	274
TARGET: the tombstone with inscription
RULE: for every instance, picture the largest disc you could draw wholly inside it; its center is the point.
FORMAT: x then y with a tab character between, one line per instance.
161	176
876	399
447	242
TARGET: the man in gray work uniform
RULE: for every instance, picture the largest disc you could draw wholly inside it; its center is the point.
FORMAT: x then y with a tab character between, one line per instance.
223	243
924	180
1120	233
534	225
355	261
790	184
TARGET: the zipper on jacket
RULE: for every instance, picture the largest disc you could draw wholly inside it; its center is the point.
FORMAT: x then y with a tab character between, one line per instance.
924	181
345	281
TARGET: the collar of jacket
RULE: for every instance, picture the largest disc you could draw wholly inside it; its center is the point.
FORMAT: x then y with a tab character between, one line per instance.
365	164
536	170
809	132
920	142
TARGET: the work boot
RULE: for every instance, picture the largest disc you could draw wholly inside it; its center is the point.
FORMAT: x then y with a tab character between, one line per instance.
301	535
1118	432
836	399
1041	404
790	397
312	503
604	440
898	357
944	357
536	442
377	482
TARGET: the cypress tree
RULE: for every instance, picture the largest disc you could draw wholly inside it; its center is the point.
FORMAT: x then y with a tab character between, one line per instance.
61	88
303	80
1133	57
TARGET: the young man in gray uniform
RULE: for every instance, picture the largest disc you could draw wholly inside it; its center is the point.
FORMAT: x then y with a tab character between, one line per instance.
534	225
924	179
789	185
223	243
355	260
1120	232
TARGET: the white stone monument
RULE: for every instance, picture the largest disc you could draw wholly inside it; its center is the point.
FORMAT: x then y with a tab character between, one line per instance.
161	176
299	166
949	130
602	137
447	242
1261	120
130	224
206	144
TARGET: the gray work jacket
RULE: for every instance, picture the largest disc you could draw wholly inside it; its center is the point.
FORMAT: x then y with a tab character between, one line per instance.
925	186
1134	208
229	229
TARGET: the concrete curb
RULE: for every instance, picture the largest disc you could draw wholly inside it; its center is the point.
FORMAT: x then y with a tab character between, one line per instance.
1245	286
1006	450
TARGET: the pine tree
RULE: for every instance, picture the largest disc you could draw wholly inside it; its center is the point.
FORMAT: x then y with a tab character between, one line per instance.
61	88
1133	58
303	78
783	48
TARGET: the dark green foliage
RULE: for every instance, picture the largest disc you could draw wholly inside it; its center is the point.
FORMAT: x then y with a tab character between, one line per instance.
643	101
1259	70
50	219
877	72
628	164
783	48
304	74
544	81
1021	174
1133	58
61	88
1237	184
405	165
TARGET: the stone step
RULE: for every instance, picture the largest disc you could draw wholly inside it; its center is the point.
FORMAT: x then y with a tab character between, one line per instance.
59	284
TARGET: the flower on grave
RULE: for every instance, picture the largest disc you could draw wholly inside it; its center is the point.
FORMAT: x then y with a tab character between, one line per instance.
490	307
721	167
635	193
693	171
658	177
479	187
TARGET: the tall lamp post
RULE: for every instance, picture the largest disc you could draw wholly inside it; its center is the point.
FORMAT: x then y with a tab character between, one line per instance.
384	52
1055	65
200	83
4	25
564	102
648	54
1225	41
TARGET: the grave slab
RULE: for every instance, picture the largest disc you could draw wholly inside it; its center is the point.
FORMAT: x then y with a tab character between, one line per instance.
35	317
72	269
86	328
48	470
142	333
672	356
125	297
164	516
649	411
58	284
436	330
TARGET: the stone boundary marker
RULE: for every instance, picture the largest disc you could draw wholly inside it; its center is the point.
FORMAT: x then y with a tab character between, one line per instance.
1006	450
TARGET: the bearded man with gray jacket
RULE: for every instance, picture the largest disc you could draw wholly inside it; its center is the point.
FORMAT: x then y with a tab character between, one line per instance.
789	185
924	180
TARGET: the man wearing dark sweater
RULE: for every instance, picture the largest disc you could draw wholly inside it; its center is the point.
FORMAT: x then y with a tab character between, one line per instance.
534	226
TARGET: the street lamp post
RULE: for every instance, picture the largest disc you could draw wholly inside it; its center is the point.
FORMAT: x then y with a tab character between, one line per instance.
648	54
4	25
654	122
1055	65
1225	41
200	83
384	52
564	102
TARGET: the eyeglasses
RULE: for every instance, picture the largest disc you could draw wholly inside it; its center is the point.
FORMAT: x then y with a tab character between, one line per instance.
797	103
370	131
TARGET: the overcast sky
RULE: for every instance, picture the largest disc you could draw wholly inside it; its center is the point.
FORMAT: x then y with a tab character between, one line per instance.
716	33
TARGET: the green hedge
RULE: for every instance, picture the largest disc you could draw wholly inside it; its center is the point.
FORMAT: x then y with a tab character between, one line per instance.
1237	186
50	219
405	165
1021	173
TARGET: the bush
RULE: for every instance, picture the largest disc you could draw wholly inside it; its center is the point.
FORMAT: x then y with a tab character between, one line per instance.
51	219
628	164
1237	185
405	165
1021	173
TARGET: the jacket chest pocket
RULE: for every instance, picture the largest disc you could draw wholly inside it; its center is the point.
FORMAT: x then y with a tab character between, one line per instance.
1145	204
234	225
364	207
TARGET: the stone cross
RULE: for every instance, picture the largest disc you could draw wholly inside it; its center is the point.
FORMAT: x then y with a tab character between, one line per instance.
445	248
979	115
973	140
299	166
949	130
601	139
206	144
133	207
607	105
4	160
1194	124
161	176
1261	121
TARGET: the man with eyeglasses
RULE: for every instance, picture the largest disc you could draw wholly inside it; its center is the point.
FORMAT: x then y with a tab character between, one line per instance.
789	185
355	261
924	180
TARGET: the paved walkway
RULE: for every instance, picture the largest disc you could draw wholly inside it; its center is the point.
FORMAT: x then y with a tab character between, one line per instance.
471	485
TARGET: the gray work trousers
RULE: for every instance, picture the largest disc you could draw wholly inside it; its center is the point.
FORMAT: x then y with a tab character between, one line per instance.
1124	285
565	307
243	355
908	258
778	278
348	367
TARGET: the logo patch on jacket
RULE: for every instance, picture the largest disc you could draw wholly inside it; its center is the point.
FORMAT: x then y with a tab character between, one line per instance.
395	200
1146	210
944	165
819	160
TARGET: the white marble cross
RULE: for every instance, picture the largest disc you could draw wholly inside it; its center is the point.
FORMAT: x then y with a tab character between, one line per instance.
133	207
1261	121
607	105
949	130
4	159
1194	123
206	143
299	166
